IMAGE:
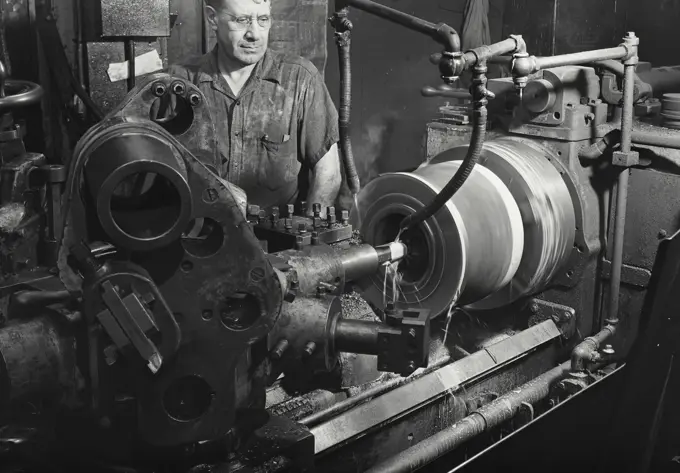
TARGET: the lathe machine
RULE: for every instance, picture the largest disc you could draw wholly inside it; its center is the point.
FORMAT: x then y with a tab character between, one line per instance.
153	320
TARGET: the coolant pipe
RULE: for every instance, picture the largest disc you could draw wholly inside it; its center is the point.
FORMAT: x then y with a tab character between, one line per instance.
587	351
622	182
479	116
584	57
343	29
441	33
597	150
669	139
482	420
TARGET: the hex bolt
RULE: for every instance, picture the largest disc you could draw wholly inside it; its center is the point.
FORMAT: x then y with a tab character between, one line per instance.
275	214
289	225
330	215
290	210
262	216
302	228
194	99
317	210
159	89
280	349
315	238
608	350
178	88
309	349
345	217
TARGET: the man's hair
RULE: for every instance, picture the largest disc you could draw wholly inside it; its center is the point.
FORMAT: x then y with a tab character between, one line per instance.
217	4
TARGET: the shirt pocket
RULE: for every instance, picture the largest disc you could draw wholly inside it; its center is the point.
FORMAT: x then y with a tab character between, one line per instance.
278	166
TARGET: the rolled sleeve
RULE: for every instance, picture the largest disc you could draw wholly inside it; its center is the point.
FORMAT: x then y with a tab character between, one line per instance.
318	129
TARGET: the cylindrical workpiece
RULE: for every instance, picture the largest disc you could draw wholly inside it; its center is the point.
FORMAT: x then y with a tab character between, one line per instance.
504	235
546	207
356	336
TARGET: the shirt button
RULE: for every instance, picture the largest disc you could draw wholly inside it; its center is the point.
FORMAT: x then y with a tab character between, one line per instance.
236	133
238	102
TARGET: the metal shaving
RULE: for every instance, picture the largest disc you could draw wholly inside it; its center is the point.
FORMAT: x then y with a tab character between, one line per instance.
355	307
356	238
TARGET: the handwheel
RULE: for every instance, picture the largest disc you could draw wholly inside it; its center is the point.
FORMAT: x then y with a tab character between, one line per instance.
17	93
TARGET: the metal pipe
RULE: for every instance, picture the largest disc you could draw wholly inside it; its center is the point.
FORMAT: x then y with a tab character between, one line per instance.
622	184
663	140
130	57
357	336
486	53
439	32
482	420
596	150
322	416
587	350
584	57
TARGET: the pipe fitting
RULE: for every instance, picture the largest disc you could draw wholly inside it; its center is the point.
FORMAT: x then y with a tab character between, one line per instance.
523	65
587	351
520	44
448	37
631	43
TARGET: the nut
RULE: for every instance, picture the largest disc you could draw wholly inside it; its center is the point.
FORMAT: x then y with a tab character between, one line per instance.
625	159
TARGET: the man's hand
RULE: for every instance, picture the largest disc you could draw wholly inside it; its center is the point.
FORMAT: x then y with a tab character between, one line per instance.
325	182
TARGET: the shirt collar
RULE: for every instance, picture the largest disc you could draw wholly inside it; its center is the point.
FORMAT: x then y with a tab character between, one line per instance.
268	68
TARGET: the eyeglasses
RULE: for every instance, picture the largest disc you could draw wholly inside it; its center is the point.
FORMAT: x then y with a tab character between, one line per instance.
238	23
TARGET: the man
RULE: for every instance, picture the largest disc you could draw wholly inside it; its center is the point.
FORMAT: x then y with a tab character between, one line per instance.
276	124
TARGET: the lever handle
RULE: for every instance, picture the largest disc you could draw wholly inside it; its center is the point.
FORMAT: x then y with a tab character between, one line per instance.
445	91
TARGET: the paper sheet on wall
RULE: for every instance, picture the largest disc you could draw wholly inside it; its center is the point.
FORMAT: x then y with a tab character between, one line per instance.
144	64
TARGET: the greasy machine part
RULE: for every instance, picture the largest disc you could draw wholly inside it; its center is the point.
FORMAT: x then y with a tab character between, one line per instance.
505	235
471	248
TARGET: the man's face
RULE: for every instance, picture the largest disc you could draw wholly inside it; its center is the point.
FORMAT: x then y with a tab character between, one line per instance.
242	28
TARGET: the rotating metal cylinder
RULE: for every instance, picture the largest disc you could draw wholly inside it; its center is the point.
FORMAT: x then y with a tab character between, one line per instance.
502	236
138	182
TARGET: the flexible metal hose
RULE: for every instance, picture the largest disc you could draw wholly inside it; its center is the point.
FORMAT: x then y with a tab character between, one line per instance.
342	38
479	116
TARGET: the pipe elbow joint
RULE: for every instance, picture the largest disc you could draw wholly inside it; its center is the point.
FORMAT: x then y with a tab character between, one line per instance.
520	44
582	354
448	37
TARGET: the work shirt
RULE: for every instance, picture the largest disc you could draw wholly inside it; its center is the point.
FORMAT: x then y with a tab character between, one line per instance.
273	133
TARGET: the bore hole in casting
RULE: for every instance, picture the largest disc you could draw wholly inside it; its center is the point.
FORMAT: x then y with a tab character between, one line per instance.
557	115
203	238
414	267
145	205
240	311
174	113
188	398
